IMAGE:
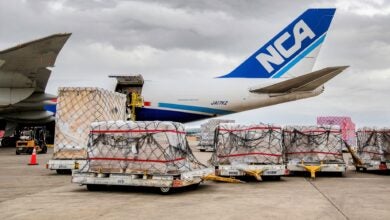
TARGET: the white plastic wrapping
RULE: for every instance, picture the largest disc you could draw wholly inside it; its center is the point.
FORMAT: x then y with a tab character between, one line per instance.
243	144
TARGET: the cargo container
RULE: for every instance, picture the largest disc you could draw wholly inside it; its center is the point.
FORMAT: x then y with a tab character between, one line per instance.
314	149
149	154
242	150
207	134
373	152
77	108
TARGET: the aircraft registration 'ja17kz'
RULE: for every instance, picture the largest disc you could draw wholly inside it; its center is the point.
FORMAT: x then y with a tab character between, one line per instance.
280	71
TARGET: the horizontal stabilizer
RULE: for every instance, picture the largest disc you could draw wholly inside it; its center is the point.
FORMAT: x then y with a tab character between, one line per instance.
307	82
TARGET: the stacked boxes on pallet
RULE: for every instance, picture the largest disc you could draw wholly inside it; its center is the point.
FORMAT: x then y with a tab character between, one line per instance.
313	144
373	144
77	107
242	144
139	147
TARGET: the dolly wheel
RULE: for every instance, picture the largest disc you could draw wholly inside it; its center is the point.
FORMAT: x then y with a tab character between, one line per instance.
165	190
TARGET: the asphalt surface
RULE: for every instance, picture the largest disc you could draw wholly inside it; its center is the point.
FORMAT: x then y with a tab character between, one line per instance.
32	192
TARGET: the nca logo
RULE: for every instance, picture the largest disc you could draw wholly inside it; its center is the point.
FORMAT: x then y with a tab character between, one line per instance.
278	53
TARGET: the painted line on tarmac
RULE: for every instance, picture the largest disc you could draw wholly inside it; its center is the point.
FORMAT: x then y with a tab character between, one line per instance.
327	198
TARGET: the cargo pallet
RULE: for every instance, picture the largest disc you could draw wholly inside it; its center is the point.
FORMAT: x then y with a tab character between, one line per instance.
373	166
314	167
165	182
256	170
63	166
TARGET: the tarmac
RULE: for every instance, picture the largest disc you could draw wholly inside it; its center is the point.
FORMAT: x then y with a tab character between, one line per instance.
32	192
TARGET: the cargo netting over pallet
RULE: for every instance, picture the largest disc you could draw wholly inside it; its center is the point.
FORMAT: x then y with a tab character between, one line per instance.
207	131
77	108
373	144
139	147
313	144
254	144
346	125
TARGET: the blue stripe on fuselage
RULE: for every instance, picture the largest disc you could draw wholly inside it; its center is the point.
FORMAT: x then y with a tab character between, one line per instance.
195	108
149	114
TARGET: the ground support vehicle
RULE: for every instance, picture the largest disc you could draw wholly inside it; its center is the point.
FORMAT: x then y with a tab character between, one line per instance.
31	138
314	167
274	171
165	183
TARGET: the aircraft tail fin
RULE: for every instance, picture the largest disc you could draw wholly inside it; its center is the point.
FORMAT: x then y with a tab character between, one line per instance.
292	52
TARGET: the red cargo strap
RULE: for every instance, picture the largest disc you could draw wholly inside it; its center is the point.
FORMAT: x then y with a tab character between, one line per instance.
247	154
135	160
252	128
135	131
308	131
314	152
370	152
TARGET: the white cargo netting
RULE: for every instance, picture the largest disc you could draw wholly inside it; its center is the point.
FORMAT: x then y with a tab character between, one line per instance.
241	144
139	147
77	107
373	144
313	144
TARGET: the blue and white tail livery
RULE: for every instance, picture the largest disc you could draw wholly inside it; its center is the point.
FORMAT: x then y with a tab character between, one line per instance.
290	53
280	71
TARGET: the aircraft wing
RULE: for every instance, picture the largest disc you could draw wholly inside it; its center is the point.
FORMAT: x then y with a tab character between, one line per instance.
25	65
307	82
24	75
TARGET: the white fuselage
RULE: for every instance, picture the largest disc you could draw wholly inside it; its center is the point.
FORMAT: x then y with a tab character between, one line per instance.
212	97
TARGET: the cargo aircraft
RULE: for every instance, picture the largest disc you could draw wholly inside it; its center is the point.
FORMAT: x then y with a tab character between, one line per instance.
279	71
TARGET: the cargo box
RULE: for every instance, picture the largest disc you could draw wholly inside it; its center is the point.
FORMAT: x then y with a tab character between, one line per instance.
314	149
373	149
139	153
244	150
77	107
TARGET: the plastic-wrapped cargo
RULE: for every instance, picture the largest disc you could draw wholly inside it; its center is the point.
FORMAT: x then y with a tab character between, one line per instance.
314	149
208	132
313	144
77	107
248	150
243	144
373	144
151	147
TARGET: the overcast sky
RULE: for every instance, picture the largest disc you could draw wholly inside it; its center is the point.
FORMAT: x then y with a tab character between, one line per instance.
186	39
